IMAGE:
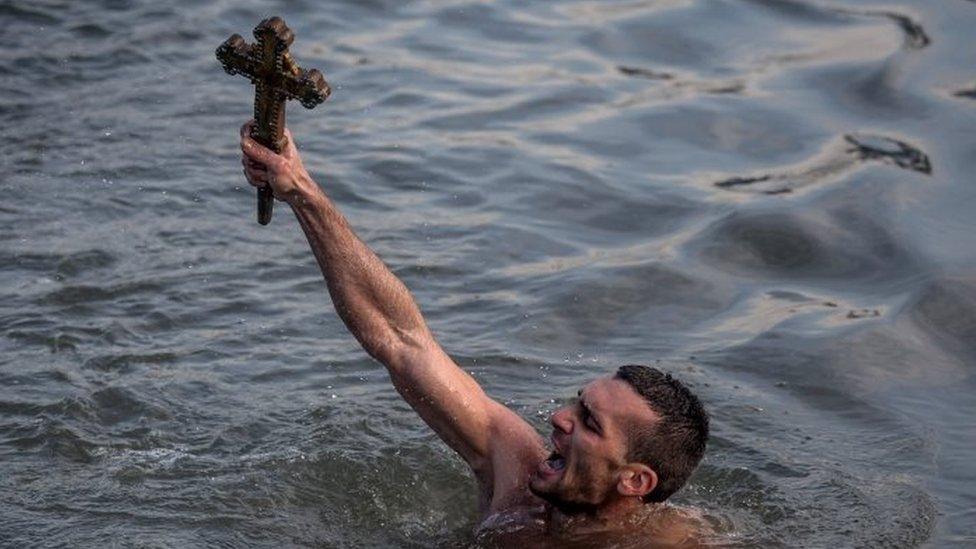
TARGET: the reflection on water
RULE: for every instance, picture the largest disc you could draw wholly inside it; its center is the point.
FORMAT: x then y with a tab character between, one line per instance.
768	198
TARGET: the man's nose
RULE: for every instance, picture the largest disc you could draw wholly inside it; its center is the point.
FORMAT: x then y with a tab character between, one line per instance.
562	419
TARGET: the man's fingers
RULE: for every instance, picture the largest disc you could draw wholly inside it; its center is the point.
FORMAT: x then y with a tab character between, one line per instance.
246	128
253	164
261	164
256	176
263	155
258	152
255	150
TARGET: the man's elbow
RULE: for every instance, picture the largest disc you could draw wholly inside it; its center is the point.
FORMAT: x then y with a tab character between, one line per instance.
397	348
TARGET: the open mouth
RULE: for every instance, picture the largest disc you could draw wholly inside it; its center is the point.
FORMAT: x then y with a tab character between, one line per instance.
556	461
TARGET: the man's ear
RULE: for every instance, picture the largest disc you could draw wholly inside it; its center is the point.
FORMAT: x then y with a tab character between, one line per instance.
636	479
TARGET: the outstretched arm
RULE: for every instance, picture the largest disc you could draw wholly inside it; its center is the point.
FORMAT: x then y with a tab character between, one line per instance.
380	312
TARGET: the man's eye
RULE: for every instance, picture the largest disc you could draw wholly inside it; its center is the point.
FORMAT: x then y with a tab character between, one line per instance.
588	418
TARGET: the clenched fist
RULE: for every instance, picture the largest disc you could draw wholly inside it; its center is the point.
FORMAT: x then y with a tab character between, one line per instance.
284	172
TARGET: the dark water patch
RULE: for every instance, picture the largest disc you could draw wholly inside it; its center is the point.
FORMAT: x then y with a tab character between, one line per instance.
640	72
968	93
587	208
616	301
863	313
873	92
406	174
91	30
773	241
946	311
79	262
915	36
86	294
803	11
26	321
30	261
115	405
677	86
56	342
241	439
742	181
834	163
890	150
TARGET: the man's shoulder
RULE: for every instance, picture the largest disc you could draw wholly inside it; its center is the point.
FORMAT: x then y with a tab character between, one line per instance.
524	522
525	525
667	525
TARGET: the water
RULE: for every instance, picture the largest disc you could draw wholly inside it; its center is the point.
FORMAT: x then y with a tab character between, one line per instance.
772	199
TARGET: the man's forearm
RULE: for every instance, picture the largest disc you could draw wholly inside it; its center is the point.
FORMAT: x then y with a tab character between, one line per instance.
375	305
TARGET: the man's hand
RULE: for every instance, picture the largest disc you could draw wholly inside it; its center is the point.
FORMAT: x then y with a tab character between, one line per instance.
284	172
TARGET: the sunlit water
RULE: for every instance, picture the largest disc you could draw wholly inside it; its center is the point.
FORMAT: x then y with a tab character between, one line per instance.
772	199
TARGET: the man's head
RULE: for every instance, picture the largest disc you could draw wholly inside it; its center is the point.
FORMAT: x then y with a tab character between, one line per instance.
637	434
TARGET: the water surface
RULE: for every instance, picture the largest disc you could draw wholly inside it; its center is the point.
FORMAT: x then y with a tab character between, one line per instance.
772	199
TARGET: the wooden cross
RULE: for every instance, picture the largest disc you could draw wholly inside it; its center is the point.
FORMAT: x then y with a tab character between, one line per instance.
276	78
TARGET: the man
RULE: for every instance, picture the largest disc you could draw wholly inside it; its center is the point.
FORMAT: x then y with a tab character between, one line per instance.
617	452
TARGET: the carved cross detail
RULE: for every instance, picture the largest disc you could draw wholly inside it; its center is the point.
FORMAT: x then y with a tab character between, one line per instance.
277	78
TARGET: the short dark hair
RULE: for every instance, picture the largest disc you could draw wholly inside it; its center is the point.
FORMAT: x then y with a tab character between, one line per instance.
673	445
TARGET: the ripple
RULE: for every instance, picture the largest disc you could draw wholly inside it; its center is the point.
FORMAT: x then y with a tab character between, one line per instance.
86	294
59	440
68	407
125	362
79	262
25	13
118	404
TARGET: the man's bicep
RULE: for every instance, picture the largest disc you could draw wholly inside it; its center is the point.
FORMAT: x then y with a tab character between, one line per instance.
449	400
